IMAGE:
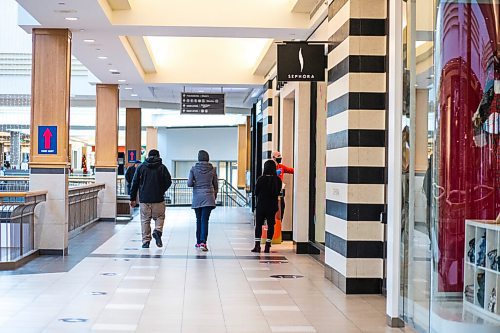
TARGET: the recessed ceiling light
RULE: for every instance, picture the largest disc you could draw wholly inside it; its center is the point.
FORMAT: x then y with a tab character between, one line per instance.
128	88
122	80
102	57
82	30
71	18
134	95
89	40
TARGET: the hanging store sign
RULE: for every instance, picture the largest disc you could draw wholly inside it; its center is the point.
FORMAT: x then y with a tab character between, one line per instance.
301	62
199	103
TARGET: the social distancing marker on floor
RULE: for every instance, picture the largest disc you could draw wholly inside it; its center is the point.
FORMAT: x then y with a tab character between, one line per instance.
73	320
287	276
273	262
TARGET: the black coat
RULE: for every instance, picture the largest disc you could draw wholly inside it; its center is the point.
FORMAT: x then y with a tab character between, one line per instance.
267	191
152	180
129	176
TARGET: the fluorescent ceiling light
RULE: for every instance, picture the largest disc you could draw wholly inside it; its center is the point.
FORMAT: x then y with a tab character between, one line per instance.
128	88
122	80
102	57
240	53
134	95
89	40
113	70
71	18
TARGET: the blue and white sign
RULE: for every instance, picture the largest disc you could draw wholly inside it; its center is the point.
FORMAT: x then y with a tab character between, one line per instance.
47	140
132	155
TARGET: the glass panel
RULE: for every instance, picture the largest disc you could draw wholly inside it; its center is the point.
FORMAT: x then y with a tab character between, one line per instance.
417	120
466	170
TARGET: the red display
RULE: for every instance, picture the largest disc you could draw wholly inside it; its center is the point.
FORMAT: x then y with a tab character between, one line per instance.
467	157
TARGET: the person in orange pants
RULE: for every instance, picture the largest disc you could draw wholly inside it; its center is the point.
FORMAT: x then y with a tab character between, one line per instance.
281	169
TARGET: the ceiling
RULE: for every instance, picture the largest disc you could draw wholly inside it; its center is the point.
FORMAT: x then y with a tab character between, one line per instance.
157	48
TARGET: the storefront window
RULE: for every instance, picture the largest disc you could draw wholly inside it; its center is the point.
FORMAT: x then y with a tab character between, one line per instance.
466	167
450	243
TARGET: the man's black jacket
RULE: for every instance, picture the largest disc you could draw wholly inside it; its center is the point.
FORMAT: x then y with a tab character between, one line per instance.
152	179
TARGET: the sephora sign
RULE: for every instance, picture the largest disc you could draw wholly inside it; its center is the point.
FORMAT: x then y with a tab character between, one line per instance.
301	62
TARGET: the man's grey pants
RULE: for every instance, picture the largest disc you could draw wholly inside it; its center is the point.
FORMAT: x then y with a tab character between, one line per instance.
155	211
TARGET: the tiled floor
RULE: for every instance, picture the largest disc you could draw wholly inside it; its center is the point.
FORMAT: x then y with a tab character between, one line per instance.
123	288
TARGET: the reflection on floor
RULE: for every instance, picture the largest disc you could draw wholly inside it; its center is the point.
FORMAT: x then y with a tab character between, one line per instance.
418	298
123	288
79	247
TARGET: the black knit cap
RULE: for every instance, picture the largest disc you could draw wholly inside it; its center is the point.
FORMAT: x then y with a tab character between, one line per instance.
154	153
203	156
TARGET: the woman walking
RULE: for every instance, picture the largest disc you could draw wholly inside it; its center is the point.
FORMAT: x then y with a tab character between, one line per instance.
203	179
267	190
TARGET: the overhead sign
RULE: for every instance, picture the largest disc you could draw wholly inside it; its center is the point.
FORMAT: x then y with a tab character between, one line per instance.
301	62
47	140
132	155
199	103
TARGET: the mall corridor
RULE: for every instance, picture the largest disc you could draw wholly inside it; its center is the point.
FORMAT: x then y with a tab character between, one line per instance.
123	288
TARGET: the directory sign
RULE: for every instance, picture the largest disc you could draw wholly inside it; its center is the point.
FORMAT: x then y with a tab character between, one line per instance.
200	103
47	140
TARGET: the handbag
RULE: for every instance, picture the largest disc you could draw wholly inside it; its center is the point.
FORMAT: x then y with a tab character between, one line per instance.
493	259
492	303
471	253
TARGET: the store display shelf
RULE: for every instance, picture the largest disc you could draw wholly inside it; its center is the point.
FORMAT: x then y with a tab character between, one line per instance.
481	274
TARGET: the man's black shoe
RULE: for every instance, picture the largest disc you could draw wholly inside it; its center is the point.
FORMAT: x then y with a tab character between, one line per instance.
145	245
157	237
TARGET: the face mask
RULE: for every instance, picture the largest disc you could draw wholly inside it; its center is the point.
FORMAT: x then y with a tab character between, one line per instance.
278	160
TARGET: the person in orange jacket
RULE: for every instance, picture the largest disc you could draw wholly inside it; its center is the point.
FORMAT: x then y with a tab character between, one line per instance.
281	169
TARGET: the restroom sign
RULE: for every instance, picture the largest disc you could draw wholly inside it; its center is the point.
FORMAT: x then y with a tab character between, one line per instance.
47	140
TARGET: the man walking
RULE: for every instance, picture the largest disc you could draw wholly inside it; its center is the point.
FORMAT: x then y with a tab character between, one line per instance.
152	180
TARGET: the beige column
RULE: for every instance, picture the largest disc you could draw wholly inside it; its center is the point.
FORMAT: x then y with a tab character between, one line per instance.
151	138
133	134
286	149
242	155
106	150
421	130
50	94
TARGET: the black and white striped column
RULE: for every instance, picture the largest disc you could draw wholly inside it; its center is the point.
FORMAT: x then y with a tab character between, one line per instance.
356	141
267	121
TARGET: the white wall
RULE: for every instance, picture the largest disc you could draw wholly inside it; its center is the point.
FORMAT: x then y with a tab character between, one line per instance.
183	144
